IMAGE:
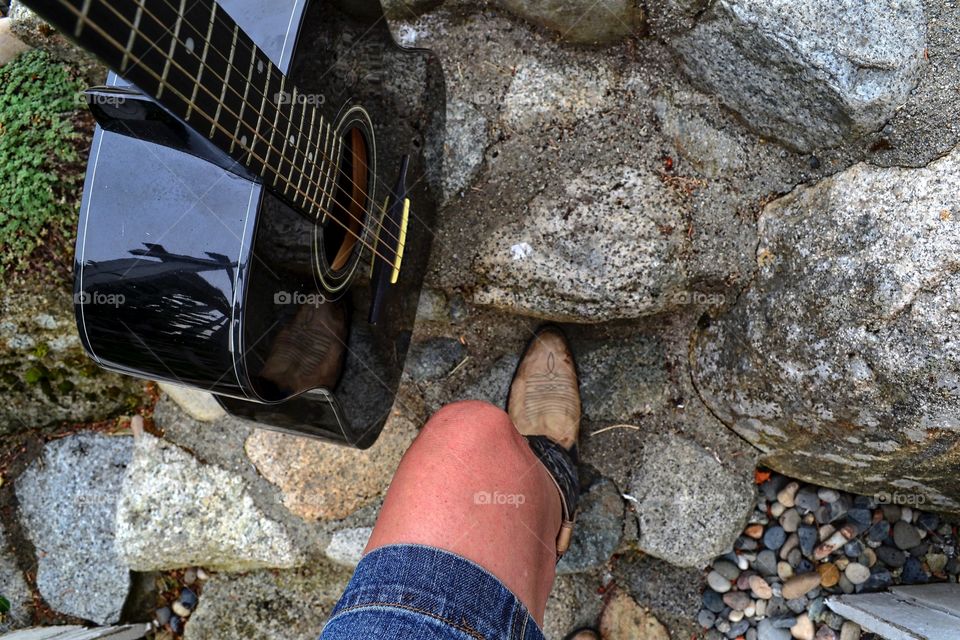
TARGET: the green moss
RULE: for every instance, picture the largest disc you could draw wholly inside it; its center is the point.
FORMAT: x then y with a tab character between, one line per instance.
39	156
34	375
42	350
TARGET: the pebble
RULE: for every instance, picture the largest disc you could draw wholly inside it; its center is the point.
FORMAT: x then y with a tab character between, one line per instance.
736	616
891	512
906	514
188	598
750	611
189	576
761	608
869	557
856	573
878	580
905	535
163	615
713	601
807	499
784	570
828	495
723	626
738	629
767	631
845	585
842	563
717	582
832	543
785	623
743	582
752	634
879	531
760	588
774	538
825	532
726	569
791	543
800	585
893	558
744	543
861	516
777	509
825	633
795	558
829	574
816	608
913	572
808	539
766	563
179	609
736	600
803	629
937	562
787	495
850	631
754	531
853	549
706	618
928	521
790	520
176	624
776	606
201	574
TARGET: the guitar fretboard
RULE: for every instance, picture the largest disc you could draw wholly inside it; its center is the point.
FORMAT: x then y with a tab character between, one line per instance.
193	58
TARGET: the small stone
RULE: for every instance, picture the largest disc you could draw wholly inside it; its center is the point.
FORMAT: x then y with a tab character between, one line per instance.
750	611
815	610
928	521
717	582
766	563
853	549
777	509
825	633
879	531
868	557
723	626
803	629
807	536
179	609
797	605
189	599
767	631
760	588
905	535
891	512
920	550
712	601
832	543
807	499
176	624
850	631
800	585
804	566
795	558
162	615
893	558
913	572
845	585
201	574
879	580
738	629
936	561
754	531
744	560
792	542
829	574
842	563
736	600
776	606
774	538
189	576
787	495
726	569
784	570
861	516
953	566
736	616
744	543
790	520
906	514
825	532
828	495
857	573
752	634
706	618
760	609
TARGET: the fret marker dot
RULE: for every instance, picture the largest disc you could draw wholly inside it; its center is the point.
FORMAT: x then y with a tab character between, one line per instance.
260	66
243	141
310	156
189	44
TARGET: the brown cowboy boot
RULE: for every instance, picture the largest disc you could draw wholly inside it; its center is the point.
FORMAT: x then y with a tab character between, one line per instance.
544	405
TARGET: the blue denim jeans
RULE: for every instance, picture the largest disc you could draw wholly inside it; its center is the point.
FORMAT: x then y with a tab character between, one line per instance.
406	592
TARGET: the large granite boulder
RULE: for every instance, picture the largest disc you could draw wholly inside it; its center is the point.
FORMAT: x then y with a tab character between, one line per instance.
582	21
841	360
810	73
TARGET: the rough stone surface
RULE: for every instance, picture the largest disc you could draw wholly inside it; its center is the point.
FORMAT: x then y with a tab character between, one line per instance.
14	588
321	481
573	603
178	512
690	507
840	362
34	31
346	545
200	405
464	145
47	376
598	531
10	45
624	619
265	605
813	73
68	508
581	21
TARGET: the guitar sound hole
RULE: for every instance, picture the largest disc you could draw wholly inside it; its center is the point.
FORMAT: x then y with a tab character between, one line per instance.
350	201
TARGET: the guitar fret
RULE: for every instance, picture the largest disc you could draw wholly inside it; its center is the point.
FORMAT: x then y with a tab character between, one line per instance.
306	157
318	189
173	46
329	183
226	79
203	64
286	135
82	19
273	132
263	104
135	29
243	105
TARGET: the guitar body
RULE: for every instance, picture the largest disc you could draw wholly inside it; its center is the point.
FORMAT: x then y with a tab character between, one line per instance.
200	275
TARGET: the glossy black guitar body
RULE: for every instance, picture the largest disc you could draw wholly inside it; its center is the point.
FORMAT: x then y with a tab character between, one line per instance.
194	274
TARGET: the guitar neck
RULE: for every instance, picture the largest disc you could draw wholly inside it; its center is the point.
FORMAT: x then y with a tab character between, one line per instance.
193	58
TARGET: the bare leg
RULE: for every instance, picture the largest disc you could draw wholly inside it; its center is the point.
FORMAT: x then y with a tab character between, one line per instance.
470	484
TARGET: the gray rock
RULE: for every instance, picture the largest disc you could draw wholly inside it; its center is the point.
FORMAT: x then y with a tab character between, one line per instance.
690	507
622	379
810	73
766	563
598	531
581	21
346	545
48	377
434	358
14	588
861	307
766	630
30	28
905	535
68	506
466	141
178	512
407	9
666	17
289	604
199	405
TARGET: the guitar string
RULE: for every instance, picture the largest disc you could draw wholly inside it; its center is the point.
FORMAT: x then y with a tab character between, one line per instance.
380	227
116	44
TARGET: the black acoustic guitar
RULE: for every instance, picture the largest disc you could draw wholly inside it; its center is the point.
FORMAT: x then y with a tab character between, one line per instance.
256	217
